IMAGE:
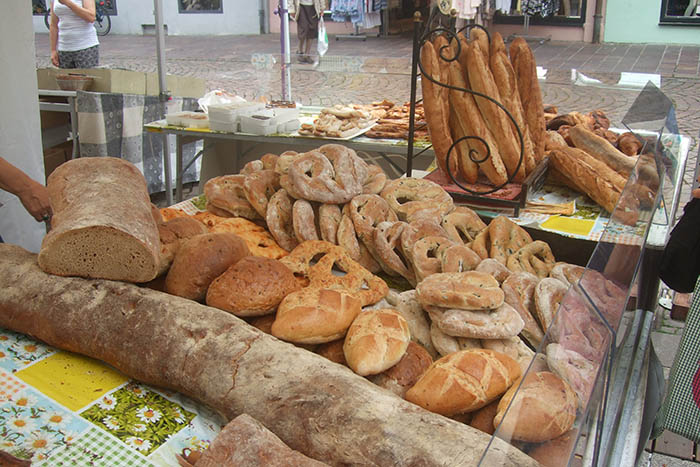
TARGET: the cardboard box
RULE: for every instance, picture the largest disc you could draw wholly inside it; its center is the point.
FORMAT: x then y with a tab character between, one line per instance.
126	82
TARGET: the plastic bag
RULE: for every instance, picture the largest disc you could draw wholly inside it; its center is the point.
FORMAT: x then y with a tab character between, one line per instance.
216	97
322	38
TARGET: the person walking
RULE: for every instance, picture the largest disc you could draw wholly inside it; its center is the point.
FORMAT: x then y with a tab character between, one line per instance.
306	13
73	38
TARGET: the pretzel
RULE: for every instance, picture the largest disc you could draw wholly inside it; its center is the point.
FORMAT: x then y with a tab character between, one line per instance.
304	221
426	260
462	225
300	258
313	176
329	216
279	220
535	258
469	290
501	239
375	182
227	193
457	258
386	242
259	187
420	195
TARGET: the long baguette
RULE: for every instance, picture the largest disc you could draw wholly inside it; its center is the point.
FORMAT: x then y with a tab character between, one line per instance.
523	61
482	81
315	406
436	108
504	75
471	122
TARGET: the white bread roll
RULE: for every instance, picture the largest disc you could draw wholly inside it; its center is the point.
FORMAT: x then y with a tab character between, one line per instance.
464	381
543	408
376	341
102	225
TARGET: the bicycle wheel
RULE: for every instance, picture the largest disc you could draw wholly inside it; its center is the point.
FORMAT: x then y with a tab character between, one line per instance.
103	26
47	20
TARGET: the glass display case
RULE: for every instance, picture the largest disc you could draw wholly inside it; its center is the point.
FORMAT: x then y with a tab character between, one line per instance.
574	404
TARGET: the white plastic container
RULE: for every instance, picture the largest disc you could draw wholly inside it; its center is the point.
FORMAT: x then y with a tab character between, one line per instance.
258	124
188	119
289	126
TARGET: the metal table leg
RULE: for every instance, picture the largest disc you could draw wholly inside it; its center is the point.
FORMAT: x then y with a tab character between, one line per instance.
74	128
168	171
178	168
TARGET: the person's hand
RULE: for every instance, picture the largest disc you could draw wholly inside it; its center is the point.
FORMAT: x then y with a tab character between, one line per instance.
54	58
35	199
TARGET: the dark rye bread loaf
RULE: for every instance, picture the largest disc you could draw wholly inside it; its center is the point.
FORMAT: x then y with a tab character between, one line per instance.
102	225
315	406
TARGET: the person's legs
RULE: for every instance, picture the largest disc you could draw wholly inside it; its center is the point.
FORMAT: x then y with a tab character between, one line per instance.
65	59
87	58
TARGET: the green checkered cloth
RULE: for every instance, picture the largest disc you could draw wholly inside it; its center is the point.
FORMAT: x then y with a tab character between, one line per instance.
680	411
99	449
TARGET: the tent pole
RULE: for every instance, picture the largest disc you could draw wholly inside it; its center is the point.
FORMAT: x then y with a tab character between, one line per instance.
284	42
163	96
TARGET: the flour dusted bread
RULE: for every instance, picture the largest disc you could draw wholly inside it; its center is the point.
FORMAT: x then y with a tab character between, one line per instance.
402	376
376	341
470	290
102	225
464	381
202	259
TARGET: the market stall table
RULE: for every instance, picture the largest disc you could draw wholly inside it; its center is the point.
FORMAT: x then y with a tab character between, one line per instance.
69	107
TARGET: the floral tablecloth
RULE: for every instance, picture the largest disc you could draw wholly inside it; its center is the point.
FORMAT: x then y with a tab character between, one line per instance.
59	408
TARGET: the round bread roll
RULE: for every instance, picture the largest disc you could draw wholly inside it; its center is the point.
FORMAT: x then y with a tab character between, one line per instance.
315	316
402	376
333	351
254	286
543	407
557	451
200	260
470	290
171	234
482	419
464	381
376	341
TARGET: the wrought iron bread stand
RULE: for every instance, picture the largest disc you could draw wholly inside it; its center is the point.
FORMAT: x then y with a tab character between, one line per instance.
532	182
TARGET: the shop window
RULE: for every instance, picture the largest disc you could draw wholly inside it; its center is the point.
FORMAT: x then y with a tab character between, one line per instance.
680	12
545	12
41	7
200	6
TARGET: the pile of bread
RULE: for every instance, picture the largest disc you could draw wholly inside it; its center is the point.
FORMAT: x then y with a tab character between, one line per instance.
458	344
393	121
338	121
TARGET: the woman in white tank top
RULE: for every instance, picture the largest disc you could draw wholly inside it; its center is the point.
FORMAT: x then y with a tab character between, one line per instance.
74	41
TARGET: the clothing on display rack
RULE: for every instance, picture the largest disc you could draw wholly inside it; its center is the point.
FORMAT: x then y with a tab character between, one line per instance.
543	8
364	13
466	9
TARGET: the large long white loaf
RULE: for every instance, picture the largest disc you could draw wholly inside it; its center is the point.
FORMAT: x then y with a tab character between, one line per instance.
315	406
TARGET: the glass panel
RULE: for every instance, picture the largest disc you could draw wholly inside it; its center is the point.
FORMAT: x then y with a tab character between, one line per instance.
543	12
680	12
199	6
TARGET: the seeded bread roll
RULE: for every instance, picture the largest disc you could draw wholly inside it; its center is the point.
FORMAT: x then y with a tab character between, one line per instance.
254	286
202	259
102	225
542	408
376	341
464	381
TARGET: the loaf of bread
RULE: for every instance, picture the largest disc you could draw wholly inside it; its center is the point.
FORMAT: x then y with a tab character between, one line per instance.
408	305
464	381
446	344
501	323
253	286
482	419
376	341
437	112
555	452
481	80
246	441
102	226
469	290
222	362
315	315
601	149
333	351
542	408
504	76
402	376
525	68
172	233
200	260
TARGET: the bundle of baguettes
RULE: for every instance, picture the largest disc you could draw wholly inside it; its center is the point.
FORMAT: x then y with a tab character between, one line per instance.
486	139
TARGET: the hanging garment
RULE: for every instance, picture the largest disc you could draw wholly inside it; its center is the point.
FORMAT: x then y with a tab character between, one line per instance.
503	6
466	9
543	8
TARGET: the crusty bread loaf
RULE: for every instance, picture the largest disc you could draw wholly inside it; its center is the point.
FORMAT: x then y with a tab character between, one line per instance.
402	376
246	441
313	405
102	226
525	68
482	419
482	81
504	76
253	286
501	323
464	381
333	351
601	149
542	408
172	233
469	290
376	341
202	259
437	113
314	315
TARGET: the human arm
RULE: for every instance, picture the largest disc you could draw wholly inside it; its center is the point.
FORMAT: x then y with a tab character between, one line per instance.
86	12
33	195
53	36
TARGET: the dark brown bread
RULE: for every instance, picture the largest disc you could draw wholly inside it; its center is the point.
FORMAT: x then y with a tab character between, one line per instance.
313	405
